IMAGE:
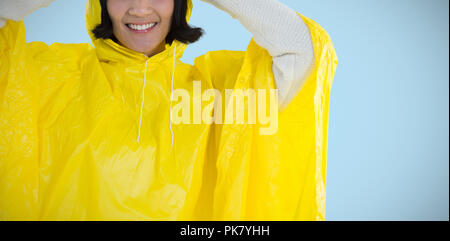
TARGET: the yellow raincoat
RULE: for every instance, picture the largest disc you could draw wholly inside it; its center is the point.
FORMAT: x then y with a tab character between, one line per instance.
70	115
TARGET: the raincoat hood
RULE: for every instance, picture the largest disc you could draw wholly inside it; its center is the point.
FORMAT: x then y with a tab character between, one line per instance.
108	50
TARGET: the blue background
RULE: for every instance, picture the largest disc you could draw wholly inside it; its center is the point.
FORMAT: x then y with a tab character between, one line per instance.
388	154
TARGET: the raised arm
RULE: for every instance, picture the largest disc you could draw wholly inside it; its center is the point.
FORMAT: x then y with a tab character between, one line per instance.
12	29
18	114
282	32
18	9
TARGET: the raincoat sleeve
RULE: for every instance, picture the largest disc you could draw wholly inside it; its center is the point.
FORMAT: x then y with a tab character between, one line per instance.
32	77
18	126
249	176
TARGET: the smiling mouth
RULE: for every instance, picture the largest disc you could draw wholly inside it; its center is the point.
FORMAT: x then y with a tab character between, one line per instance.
141	27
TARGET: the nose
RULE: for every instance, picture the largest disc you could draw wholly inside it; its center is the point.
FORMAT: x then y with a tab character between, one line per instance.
141	8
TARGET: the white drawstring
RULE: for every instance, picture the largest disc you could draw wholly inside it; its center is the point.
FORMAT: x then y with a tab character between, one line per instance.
143	99
171	96
171	92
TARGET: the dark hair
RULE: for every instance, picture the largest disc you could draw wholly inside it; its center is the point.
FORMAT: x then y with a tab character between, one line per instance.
179	30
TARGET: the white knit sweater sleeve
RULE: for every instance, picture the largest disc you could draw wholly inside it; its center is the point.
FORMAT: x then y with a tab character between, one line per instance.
18	9
283	33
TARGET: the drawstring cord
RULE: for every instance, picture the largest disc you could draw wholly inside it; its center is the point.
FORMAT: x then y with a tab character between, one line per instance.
143	99
171	96
171	93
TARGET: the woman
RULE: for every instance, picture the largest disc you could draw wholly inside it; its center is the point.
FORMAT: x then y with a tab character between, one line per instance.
88	132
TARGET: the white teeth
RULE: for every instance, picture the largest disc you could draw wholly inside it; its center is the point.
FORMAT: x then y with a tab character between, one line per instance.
141	27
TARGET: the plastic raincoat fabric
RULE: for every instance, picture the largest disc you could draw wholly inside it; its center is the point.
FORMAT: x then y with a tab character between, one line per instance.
70	115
